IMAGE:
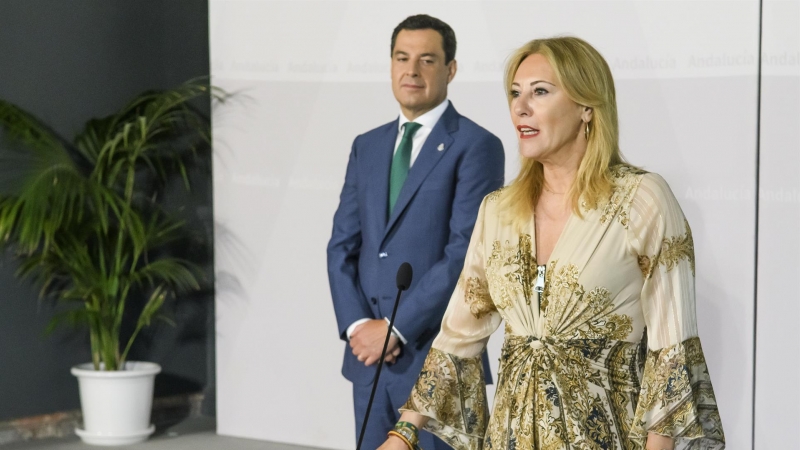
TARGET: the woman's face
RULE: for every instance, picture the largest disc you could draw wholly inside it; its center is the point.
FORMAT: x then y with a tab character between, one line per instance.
549	125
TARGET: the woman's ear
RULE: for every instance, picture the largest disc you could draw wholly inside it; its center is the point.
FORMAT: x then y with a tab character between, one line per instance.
586	115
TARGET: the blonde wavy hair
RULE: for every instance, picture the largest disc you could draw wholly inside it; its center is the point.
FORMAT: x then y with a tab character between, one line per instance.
586	79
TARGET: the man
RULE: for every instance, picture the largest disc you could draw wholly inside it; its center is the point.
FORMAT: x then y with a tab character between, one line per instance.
411	194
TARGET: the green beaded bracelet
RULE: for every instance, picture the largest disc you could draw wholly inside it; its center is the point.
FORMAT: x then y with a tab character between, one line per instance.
407	425
409	431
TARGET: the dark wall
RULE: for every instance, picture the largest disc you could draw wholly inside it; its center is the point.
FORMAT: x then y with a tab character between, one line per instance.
68	61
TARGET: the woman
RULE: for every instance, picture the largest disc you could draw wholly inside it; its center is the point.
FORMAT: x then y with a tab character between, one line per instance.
590	263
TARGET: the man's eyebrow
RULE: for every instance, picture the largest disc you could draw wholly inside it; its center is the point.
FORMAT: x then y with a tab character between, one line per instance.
424	55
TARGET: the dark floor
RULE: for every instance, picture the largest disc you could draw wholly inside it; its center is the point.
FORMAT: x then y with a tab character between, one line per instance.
191	434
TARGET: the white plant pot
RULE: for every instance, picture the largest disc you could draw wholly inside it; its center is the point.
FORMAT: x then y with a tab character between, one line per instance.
116	404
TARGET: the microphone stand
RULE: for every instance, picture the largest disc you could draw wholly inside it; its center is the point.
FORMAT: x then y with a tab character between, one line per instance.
400	290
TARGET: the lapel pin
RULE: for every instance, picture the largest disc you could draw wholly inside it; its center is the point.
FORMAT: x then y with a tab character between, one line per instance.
440	147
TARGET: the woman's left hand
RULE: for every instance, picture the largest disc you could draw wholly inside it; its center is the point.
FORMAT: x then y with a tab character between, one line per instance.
393	443
659	442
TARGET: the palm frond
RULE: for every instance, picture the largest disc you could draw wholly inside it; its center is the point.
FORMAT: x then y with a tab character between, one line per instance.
74	318
23	127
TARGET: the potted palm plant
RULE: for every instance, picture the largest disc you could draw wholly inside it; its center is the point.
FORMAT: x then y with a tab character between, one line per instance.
85	222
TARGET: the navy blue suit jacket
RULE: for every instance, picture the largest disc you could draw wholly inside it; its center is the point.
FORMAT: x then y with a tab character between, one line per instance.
430	228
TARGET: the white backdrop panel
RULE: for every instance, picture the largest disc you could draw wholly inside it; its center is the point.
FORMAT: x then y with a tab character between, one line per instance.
310	76
777	411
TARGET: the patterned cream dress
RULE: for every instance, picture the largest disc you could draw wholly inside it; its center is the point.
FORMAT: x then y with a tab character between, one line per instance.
606	352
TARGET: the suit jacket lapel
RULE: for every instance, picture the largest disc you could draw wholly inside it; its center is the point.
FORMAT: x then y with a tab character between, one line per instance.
428	157
381	167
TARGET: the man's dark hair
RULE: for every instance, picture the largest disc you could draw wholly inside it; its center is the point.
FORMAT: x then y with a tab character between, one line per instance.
426	22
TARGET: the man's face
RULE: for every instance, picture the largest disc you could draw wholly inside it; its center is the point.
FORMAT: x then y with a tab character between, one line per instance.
419	73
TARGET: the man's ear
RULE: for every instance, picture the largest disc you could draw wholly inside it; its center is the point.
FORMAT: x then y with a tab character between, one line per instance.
452	68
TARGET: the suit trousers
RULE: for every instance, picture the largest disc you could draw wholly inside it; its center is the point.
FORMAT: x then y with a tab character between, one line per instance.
384	415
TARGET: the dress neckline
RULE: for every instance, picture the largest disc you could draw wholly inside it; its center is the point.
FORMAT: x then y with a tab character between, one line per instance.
534	239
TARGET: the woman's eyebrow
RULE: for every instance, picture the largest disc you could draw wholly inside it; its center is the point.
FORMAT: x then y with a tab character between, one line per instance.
534	82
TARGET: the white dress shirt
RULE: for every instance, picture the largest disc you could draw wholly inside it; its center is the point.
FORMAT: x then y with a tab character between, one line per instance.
427	122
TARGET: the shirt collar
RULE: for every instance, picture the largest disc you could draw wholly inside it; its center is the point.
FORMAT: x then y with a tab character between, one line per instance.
427	120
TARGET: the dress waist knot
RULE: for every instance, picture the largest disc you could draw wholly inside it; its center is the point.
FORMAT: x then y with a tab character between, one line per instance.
611	364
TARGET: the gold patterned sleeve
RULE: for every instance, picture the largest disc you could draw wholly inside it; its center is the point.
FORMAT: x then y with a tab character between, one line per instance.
451	388
676	397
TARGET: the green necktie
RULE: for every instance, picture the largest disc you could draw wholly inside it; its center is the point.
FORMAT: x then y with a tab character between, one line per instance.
401	162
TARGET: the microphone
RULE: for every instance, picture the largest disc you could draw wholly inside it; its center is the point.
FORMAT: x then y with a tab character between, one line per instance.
404	275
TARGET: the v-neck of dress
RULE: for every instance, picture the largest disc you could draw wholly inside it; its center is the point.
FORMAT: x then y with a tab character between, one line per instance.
556	247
